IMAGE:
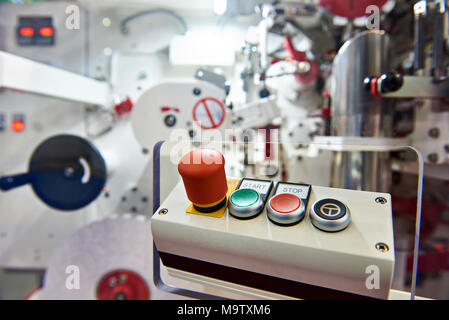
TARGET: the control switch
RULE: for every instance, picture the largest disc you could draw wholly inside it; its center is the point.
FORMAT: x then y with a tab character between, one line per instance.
288	204
249	199
330	215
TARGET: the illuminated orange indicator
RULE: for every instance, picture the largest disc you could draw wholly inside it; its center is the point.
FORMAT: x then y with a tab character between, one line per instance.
46	31
17	126
26	32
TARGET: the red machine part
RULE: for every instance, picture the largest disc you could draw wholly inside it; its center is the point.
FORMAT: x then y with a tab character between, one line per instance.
204	177
373	87
307	77
431	213
122	285
268	144
124	107
168	109
350	8
324	113
436	260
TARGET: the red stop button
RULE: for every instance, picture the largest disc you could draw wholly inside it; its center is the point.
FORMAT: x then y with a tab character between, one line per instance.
285	203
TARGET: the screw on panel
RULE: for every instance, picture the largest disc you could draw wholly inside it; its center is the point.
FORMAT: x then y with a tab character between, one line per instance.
382	247
433	157
434	133
163	211
381	200
170	120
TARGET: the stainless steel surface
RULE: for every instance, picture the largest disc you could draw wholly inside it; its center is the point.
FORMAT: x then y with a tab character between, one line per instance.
420	11
355	112
420	87
439	33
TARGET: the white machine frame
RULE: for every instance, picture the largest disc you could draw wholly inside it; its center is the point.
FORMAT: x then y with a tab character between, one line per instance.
30	76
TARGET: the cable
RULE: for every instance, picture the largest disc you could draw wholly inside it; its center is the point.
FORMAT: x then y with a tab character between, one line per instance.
124	22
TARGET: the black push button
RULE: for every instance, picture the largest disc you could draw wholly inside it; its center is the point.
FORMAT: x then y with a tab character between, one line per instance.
330	215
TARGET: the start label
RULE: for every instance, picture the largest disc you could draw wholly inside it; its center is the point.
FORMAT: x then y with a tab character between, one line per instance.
261	186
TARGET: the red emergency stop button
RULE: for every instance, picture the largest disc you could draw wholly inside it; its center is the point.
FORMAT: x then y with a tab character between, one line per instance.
285	203
204	177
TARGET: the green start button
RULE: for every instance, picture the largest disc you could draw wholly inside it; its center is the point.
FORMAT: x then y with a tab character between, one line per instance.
244	197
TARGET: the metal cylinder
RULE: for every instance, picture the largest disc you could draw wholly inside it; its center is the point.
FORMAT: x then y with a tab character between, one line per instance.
357	113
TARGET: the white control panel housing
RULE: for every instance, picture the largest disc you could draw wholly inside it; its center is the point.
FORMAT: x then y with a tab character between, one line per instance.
358	260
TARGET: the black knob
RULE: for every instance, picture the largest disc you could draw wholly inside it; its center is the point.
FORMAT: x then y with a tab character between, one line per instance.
367	83
390	82
264	93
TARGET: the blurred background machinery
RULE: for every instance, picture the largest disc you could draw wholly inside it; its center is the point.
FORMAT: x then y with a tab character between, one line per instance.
119	76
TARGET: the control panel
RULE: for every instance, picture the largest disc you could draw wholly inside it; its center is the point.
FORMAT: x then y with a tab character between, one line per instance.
35	31
12	122
292	239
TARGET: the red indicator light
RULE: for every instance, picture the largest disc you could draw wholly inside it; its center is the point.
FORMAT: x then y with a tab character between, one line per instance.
46	31
26	32
17	126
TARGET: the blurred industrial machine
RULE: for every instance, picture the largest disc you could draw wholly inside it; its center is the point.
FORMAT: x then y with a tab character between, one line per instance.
319	129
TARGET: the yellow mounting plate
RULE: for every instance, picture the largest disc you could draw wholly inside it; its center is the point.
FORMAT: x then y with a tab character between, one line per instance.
232	185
